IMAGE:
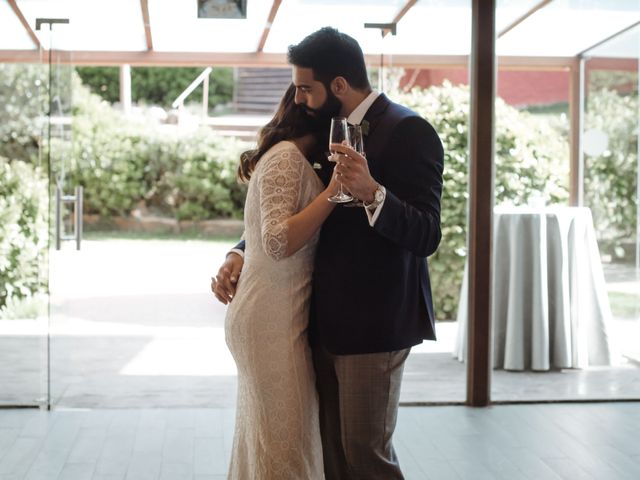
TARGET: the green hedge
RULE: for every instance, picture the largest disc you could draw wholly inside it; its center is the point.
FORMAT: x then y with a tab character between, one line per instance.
125	165
158	85
23	231
531	157
22	103
203	184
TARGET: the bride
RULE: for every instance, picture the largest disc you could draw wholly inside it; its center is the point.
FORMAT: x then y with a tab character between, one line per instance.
277	433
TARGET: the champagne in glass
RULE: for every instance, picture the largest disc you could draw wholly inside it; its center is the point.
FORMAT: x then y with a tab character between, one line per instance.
339	134
357	143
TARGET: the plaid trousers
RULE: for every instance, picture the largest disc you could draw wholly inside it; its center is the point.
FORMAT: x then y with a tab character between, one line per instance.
359	397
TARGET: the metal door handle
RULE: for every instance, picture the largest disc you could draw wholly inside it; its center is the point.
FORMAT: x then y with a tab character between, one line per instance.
76	200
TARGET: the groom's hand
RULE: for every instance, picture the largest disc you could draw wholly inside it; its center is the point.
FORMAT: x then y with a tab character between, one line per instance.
224	284
353	172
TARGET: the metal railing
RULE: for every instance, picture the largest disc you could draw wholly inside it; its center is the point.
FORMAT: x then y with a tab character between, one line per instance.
204	79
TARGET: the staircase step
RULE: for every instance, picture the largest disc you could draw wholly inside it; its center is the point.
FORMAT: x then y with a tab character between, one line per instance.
279	76
260	89
265	71
263	99
241	134
271	83
264	86
263	107
235	128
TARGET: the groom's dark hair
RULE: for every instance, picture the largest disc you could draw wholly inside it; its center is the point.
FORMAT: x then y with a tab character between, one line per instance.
331	54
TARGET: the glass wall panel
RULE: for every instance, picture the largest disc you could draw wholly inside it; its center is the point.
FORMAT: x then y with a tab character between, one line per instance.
531	197
23	235
134	323
567	27
566	278
611	192
62	246
433	373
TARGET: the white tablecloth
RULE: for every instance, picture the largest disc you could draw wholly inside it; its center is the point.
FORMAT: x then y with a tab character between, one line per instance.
550	307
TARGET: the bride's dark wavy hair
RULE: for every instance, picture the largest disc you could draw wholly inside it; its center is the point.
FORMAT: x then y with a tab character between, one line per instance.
289	122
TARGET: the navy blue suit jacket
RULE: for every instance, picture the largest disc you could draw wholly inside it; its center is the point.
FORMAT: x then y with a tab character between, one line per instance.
371	287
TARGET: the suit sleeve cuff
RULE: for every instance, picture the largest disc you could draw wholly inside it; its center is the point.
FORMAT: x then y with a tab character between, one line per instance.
374	213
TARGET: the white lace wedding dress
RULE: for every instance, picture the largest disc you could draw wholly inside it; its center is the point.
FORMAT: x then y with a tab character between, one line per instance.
277	435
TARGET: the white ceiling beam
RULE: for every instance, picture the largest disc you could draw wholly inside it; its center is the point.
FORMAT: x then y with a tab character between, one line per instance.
403	11
144	6
523	17
609	38
267	28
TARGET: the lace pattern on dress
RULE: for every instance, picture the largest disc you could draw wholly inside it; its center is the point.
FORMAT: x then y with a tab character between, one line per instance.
277	433
279	186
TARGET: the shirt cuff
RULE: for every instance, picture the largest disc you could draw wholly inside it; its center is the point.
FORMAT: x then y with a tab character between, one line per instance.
238	251
373	214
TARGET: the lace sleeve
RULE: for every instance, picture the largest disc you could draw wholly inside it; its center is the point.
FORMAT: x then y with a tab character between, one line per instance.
279	186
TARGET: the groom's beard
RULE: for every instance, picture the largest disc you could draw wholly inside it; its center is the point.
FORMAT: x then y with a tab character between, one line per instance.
321	117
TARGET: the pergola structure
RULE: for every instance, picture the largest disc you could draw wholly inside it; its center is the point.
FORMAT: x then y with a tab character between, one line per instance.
481	35
547	34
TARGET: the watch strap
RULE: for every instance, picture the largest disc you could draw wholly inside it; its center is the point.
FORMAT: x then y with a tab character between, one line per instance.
378	197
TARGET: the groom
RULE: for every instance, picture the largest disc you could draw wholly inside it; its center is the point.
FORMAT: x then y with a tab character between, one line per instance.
371	293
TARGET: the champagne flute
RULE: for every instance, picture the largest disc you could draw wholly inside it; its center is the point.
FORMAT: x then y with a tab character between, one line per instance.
339	134
357	142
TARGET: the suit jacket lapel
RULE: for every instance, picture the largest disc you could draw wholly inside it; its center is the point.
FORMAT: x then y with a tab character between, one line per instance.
375	111
374	140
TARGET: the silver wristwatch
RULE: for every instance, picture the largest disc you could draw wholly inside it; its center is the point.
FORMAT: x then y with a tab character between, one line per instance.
378	197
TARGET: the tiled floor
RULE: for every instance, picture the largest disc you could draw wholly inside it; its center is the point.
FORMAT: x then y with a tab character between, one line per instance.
536	442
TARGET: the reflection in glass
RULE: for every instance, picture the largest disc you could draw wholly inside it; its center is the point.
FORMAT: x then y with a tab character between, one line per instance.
612	184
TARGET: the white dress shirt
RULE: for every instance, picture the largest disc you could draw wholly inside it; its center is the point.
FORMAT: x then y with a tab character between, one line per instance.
356	117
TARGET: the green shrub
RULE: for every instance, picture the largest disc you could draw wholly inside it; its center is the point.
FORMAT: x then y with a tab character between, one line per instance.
610	179
124	164
23	231
531	158
203	184
106	156
158	85
22	104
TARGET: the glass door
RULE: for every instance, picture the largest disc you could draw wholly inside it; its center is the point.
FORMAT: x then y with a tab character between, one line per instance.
23	236
611	191
567	278
65	200
35	148
39	211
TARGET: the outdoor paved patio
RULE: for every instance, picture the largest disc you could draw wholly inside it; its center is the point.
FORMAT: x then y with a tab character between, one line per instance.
134	326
